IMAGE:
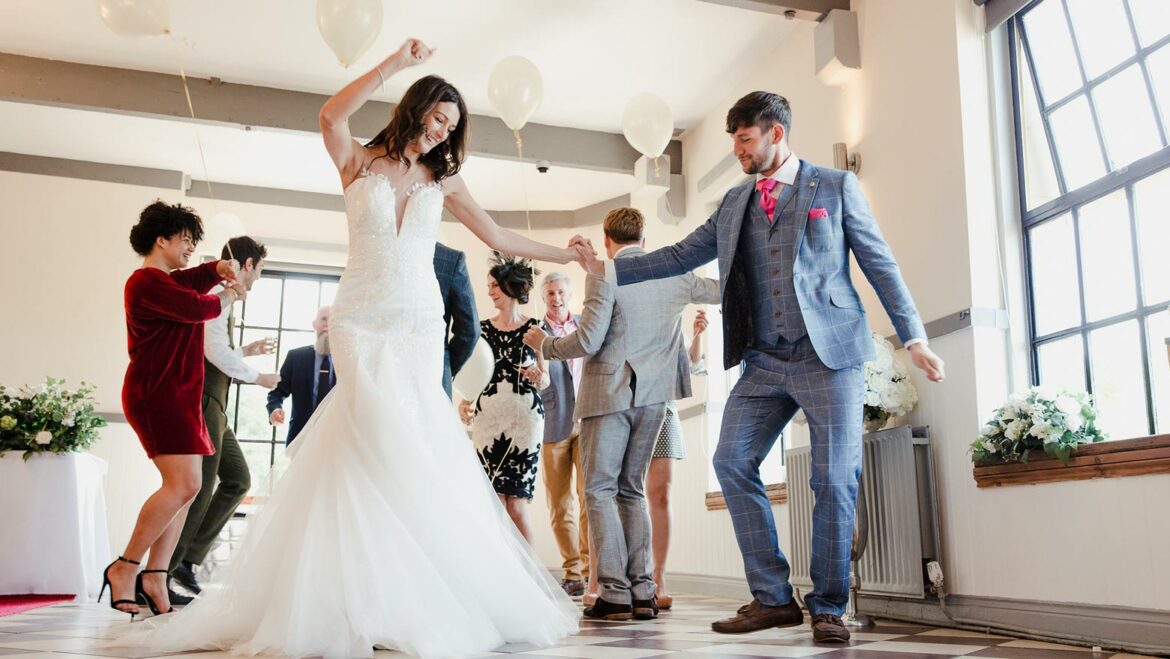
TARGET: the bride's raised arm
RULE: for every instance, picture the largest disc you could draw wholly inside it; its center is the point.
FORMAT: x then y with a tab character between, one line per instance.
347	153
462	205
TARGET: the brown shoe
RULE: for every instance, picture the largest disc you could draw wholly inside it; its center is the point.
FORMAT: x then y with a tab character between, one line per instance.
665	602
828	628
604	610
756	616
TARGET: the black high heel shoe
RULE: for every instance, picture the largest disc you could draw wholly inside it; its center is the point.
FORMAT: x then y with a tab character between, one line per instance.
143	598
106	584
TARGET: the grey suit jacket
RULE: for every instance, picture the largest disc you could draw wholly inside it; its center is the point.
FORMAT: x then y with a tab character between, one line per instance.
632	340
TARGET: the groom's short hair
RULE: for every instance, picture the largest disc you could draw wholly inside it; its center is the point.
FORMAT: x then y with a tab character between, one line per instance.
624	225
763	109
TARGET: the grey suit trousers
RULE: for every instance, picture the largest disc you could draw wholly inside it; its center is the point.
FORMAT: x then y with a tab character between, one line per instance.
615	454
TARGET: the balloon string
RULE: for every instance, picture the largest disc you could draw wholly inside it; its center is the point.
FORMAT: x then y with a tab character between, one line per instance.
657	171
199	143
523	181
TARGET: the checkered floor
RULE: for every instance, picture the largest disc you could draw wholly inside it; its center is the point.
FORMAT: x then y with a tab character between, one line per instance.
682	633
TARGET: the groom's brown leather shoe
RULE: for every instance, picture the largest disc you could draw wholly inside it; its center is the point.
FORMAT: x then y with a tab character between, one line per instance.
756	616
828	628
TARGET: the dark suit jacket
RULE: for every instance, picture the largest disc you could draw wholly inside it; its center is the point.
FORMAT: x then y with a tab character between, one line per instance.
459	315
296	379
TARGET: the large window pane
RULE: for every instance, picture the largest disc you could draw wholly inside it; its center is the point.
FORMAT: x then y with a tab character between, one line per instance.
1127	117
259	458
1052	259
1152	205
262	363
1103	34
1040	182
1052	50
1158	64
290	340
1076	143
1158	332
263	304
328	292
1118	385
1107	257
301	297
1152	19
252	420
1062	363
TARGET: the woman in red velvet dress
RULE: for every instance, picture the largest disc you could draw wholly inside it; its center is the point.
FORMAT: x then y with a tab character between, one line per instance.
165	310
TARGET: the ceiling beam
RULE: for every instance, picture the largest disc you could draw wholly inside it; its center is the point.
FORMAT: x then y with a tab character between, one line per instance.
127	91
809	10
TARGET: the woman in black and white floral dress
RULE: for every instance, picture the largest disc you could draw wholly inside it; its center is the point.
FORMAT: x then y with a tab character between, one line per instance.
508	422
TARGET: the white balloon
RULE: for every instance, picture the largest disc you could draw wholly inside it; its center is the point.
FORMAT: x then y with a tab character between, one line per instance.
136	18
218	230
515	89
349	27
648	124
477	372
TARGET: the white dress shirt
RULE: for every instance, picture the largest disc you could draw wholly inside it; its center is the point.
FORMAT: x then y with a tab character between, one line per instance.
218	351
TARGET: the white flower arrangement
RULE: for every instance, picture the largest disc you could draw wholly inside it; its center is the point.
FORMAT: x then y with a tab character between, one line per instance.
888	389
1041	418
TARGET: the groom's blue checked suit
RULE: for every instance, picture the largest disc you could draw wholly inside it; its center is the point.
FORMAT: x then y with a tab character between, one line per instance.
791	314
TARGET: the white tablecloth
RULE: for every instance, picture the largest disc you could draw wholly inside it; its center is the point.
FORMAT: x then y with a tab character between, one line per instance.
53	537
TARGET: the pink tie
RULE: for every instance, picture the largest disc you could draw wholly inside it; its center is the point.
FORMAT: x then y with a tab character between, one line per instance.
767	201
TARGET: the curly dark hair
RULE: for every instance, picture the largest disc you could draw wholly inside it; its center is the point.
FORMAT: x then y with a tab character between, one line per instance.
406	124
515	276
162	220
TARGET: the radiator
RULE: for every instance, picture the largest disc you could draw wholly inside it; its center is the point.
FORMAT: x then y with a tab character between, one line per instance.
897	521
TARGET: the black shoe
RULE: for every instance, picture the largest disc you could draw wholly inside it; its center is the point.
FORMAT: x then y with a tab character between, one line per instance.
573	587
106	584
184	575
178	599
144	598
646	609
604	610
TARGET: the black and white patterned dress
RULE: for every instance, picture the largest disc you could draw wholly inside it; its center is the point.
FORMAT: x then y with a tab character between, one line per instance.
670	440
509	415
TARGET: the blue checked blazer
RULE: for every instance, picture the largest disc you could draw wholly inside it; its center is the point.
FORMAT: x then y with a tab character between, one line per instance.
829	304
459	315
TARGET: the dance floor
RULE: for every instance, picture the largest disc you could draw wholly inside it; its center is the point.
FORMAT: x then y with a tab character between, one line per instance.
90	630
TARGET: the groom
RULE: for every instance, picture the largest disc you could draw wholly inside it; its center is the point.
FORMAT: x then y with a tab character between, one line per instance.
791	314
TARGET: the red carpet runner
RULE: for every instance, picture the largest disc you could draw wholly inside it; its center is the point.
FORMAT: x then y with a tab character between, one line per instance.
11	605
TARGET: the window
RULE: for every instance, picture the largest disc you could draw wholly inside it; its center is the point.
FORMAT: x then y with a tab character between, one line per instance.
1091	85
281	305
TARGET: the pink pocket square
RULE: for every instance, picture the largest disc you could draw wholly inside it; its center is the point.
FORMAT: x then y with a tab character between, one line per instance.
818	214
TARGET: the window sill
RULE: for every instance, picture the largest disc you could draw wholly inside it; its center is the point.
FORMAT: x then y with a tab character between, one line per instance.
777	494
1127	457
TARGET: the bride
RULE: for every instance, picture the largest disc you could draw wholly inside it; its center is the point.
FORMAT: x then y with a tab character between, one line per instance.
384	531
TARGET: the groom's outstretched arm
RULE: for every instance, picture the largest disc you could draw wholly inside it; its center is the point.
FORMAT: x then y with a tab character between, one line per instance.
592	326
699	248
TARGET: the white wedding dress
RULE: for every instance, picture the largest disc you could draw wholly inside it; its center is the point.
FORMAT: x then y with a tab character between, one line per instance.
383	529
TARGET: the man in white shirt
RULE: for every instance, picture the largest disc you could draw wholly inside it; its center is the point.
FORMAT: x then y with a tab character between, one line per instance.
215	504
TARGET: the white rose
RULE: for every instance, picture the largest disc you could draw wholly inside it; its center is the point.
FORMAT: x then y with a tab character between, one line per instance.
1039	431
872	398
990	447
44	437
27	393
68	420
1014	429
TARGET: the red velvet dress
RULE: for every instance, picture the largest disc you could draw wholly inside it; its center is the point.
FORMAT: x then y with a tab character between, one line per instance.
162	393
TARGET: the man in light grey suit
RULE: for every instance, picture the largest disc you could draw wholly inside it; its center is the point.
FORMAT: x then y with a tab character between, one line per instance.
632	341
790	313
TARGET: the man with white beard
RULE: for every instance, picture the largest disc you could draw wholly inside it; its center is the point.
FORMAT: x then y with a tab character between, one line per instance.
307	375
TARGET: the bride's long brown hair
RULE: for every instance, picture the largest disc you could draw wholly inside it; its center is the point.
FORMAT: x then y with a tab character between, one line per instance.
406	125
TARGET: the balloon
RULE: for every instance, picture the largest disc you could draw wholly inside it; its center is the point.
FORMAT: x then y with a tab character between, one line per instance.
218	230
515	89
648	124
477	372
349	27
136	18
